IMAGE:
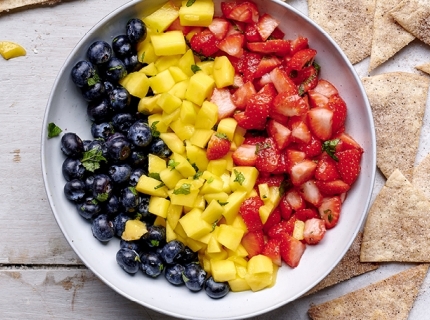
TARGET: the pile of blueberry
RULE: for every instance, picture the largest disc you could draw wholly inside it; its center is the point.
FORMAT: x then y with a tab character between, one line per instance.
101	173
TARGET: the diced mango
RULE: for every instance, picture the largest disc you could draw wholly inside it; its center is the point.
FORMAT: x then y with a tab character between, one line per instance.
136	83
182	130
173	215
263	190
155	121
184	199
159	206
169	102
183	165
201	137
10	50
145	52
238	285
221	197
173	142
169	43
234	201
223	72
213	212
179	89
207	116
200	13
168	118
186	61
194	226
223	270
134	230
151	187
162	82
213	246
170	233
229	236
199	88
299	227
206	67
162	18
148	105
177	73
259	281
197	156
260	264
188	113
150	69
166	62
228	127
243	178
170	177
155	163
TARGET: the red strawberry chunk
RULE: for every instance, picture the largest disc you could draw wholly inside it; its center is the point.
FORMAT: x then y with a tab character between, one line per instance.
311	193
306	79
346	142
338	106
222	98
283	227
298	44
251	33
267	64
250	122
266	25
274	218
285	208
289	105
291	250
301	59
280	134
240	11
283	82
272	180
250	214
317	99
349	165
300	133
302	172
204	43
218	146
241	96
267	156
219	27
332	188
326	169
295	200
245	155
233	44
311	149
279	47
314	231
325	88
253	242
320	122
273	251
293	157
306	214
249	64
329	211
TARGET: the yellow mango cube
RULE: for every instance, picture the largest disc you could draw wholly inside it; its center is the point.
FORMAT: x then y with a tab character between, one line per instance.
260	264
200	88
184	199
136	83
167	118
206	67
238	285
265	211
148	105
188	113
299	227
170	233
170	177
158	206
199	14
182	130
183	165
162	82
259	281
173	215
263	190
186	62
179	88
166	62
169	43
177	73
155	163
162	18
145	52
212	185
201	137
213	212
173	142
150	69
223	72
134	230
195	245
243	178
220	197
234	201
169	102
207	116
155	121
194	226
151	186
9	50
228	127
213	245
223	270
230	237
197	156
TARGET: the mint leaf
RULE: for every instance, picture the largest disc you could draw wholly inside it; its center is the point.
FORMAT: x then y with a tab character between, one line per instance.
190	3
53	130
184	189
172	164
91	159
155	133
195	68
240	178
154	175
329	146
92	81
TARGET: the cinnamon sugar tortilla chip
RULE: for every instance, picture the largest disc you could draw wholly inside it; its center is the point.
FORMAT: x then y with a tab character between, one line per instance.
425	67
388	36
414	16
421	176
349	23
349	267
391	298
398	101
398	224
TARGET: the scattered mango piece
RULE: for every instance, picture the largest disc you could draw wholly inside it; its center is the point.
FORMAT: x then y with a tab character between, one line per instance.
10	50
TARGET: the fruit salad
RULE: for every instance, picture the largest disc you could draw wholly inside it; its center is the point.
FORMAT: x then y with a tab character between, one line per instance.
219	153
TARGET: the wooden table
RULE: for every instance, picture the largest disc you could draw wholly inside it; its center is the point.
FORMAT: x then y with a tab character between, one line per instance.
40	275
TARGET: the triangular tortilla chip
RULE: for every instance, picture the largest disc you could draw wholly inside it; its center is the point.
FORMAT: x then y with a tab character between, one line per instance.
398	224
414	16
421	176
388	36
398	101
349	23
425	67
391	298
349	267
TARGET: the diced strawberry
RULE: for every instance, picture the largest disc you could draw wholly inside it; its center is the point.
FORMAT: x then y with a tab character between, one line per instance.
293	157
300	133
329	211
253	140
250	122
176	26
267	64
279	47
253	242
282	167
204	43
241	96
289	105
266	25
346	142
272	180
295	200
326	169
306	79
325	88
314	231
338	106
218	146
274	218
320	122
245	155
302	172
272	250
249	65
267	156
281	228
291	250
311	193
277	34
312	149
332	188
306	214
251	33
219	27
250	214
348	165
240	11
301	59
233	44
298	44
280	134
317	99
283	82
222	98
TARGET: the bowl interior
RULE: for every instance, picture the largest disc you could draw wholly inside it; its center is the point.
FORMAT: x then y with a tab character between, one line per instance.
68	110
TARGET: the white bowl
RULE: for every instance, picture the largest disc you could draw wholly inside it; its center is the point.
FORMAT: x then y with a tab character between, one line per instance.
67	109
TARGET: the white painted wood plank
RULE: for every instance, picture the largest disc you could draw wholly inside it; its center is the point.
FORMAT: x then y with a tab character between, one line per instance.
6	5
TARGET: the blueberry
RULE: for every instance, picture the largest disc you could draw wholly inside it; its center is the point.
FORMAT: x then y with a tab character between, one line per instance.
129	198
122	46
118	149
94	91
136	30
89	181
113	205
132	63
155	237
128	260
72	145
102	187
151	264
73	169
187	256
142	209
109	86
74	190
120	173
101	130
99	52
119	99
171	251
102	228
98	144
132	245
114	70
173	273
194	276
123	121
159	148
135	176
216	290
89	208
139	158
83	73
140	134
99	111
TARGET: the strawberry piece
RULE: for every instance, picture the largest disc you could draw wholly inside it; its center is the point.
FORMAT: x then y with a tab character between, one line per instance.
176	26
317	99
301	59
283	227
250	122
314	231
285	208
278	47
306	214
295	200
325	88
349	165
329	211
222	98
272	250
266	25
311	193
240	11
219	27
338	106
253	242
298	44
251	33
204	43
289	105
306	79
320	122
257	109
241	96
293	157
277	34
254	140
249	64
283	82
280	134
266	65
218	146
300	132
245	155
311	149
267	156
326	169
346	142
282	167
274	218
250	214
291	250
302	171
332	188
233	44
272	180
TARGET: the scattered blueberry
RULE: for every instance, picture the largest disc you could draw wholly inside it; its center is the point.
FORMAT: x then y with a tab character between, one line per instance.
73	169
99	52
89	208
128	260
74	190
216	290
140	134
83	72
122	46
194	276
172	250
136	30
102	187
151	264
102	228
173	273
72	145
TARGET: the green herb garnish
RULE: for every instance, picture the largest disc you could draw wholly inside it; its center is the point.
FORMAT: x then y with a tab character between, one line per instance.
190	3
155	133
53	130
240	178
91	159
154	175
184	189
195	68
329	146
172	164
93	80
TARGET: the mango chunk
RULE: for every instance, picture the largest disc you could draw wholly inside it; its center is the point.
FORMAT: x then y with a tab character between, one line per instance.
200	13
134	230
10	50
169	43
162	18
